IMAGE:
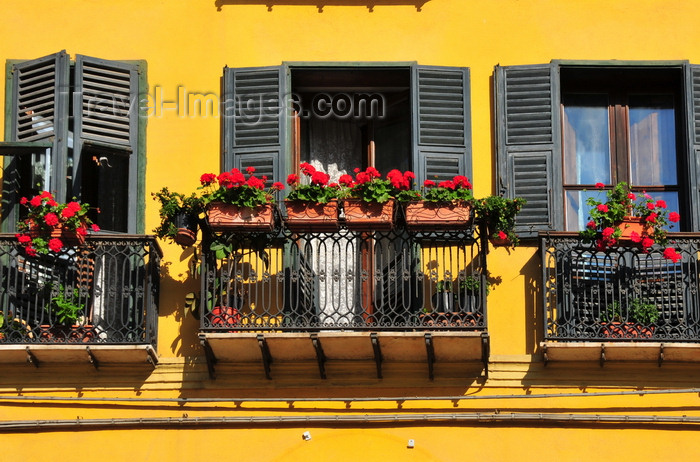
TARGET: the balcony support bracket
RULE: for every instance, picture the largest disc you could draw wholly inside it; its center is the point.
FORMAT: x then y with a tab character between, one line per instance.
602	354
209	355
266	356
377	353
31	359
485	353
661	354
430	350
91	357
320	357
545	355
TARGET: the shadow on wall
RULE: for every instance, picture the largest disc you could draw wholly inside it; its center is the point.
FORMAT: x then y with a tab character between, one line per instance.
321	4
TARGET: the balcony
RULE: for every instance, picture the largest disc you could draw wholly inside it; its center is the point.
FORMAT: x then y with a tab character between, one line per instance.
346	296
620	304
111	282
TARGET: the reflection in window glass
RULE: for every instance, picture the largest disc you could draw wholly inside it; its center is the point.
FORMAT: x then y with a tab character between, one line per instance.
586	139
577	209
652	140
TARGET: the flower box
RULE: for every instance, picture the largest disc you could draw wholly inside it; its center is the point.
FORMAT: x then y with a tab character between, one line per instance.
626	330
369	216
224	317
631	225
69	237
75	333
226	217
424	215
306	216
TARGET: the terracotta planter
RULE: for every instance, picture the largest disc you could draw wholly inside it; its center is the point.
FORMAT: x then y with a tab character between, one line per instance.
445	319
626	330
70	334
227	217
224	317
69	237
423	215
186	230
369	216
309	217
631	225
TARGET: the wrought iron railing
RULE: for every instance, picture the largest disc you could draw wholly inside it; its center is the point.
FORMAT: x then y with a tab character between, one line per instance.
345	280
622	293
105	291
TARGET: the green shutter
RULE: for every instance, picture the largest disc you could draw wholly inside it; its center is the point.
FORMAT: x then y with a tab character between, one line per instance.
441	122
255	120
693	116
528	144
37	121
106	121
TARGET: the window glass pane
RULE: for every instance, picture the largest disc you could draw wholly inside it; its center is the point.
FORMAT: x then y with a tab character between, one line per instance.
652	140
586	137
577	209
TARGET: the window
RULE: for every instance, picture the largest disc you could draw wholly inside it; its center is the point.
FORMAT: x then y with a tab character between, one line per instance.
392	116
74	129
563	127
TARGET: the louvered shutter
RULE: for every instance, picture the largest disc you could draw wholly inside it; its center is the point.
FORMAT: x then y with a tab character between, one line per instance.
37	107
106	120
693	116
528	144
441	122
255	120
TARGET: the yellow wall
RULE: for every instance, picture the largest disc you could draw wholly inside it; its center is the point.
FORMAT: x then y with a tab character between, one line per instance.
186	44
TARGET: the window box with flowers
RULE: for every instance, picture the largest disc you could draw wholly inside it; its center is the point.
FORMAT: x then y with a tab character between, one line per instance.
50	226
446	205
629	219
312	205
369	202
235	203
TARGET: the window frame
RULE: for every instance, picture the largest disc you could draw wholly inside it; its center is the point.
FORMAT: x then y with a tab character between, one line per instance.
57	142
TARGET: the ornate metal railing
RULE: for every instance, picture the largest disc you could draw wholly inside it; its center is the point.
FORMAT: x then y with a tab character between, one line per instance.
621	293
105	291
345	280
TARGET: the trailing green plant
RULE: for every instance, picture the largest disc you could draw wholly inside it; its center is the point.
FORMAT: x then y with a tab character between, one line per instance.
473	284
499	214
172	206
64	306
640	310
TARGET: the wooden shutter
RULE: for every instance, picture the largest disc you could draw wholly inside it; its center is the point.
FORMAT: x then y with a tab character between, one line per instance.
106	126
37	107
692	92
255	124
441	122
528	144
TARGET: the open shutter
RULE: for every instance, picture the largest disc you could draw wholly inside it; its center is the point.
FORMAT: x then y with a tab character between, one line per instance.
693	117
441	122
36	129
106	131
256	118
528	144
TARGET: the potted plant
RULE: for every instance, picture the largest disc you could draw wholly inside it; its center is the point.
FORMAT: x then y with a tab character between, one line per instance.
369	200
627	218
312	204
639	322
50	226
499	214
236	203
179	216
68	313
445	205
